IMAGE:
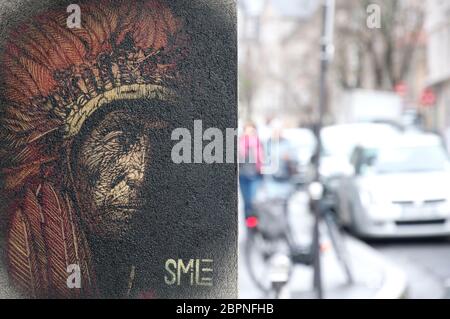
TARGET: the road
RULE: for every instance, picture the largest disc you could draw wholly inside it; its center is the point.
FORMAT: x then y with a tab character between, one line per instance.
426	263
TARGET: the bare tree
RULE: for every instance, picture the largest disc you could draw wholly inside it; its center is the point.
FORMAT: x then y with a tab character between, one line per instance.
385	53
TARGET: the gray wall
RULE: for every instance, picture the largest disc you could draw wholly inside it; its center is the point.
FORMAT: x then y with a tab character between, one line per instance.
196	204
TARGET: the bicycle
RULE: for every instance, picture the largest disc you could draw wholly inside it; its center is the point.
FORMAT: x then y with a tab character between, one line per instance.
270	234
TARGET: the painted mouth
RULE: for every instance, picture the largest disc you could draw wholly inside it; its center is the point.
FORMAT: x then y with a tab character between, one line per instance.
113	209
126	207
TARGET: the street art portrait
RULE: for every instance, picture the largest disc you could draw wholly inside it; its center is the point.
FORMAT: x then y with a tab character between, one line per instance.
91	204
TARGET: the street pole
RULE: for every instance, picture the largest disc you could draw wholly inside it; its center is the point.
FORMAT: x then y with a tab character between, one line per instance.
326	54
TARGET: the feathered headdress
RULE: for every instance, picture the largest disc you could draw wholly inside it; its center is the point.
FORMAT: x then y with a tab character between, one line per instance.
53	79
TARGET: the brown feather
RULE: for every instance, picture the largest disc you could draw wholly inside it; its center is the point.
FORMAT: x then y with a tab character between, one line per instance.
33	212
64	244
22	259
60	245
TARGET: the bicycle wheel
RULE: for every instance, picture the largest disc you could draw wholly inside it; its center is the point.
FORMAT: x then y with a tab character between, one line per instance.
259	251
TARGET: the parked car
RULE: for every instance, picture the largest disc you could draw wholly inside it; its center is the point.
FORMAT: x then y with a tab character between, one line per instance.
338	142
399	188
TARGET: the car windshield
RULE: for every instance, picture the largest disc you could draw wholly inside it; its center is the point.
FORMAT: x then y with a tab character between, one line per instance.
407	159
341	142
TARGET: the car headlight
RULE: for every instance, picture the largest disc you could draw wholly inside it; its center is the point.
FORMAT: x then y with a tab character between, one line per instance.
366	198
369	199
378	206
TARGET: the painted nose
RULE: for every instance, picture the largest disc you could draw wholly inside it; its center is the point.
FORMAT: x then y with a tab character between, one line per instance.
135	162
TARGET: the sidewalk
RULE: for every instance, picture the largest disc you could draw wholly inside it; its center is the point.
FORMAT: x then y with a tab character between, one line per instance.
374	276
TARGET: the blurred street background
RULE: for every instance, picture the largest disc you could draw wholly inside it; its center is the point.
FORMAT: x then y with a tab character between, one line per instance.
384	153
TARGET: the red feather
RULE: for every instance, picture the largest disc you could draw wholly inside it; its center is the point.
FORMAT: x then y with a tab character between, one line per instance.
62	242
43	240
22	259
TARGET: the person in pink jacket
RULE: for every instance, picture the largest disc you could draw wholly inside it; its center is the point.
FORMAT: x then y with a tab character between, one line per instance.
250	166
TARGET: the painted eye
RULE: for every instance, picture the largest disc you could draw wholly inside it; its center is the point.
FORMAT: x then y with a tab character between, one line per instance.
120	140
113	137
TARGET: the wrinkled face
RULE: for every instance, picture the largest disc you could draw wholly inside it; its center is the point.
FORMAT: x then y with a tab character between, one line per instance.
110	168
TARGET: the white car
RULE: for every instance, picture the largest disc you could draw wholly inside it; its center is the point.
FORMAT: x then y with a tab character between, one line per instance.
338	142
400	188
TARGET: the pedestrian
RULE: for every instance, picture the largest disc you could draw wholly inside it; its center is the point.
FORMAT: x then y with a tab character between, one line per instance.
250	166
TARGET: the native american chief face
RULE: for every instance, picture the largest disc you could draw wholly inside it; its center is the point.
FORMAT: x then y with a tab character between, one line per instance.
74	149
110	168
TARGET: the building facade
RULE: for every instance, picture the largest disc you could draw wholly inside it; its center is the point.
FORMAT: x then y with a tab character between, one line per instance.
438	57
278	59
